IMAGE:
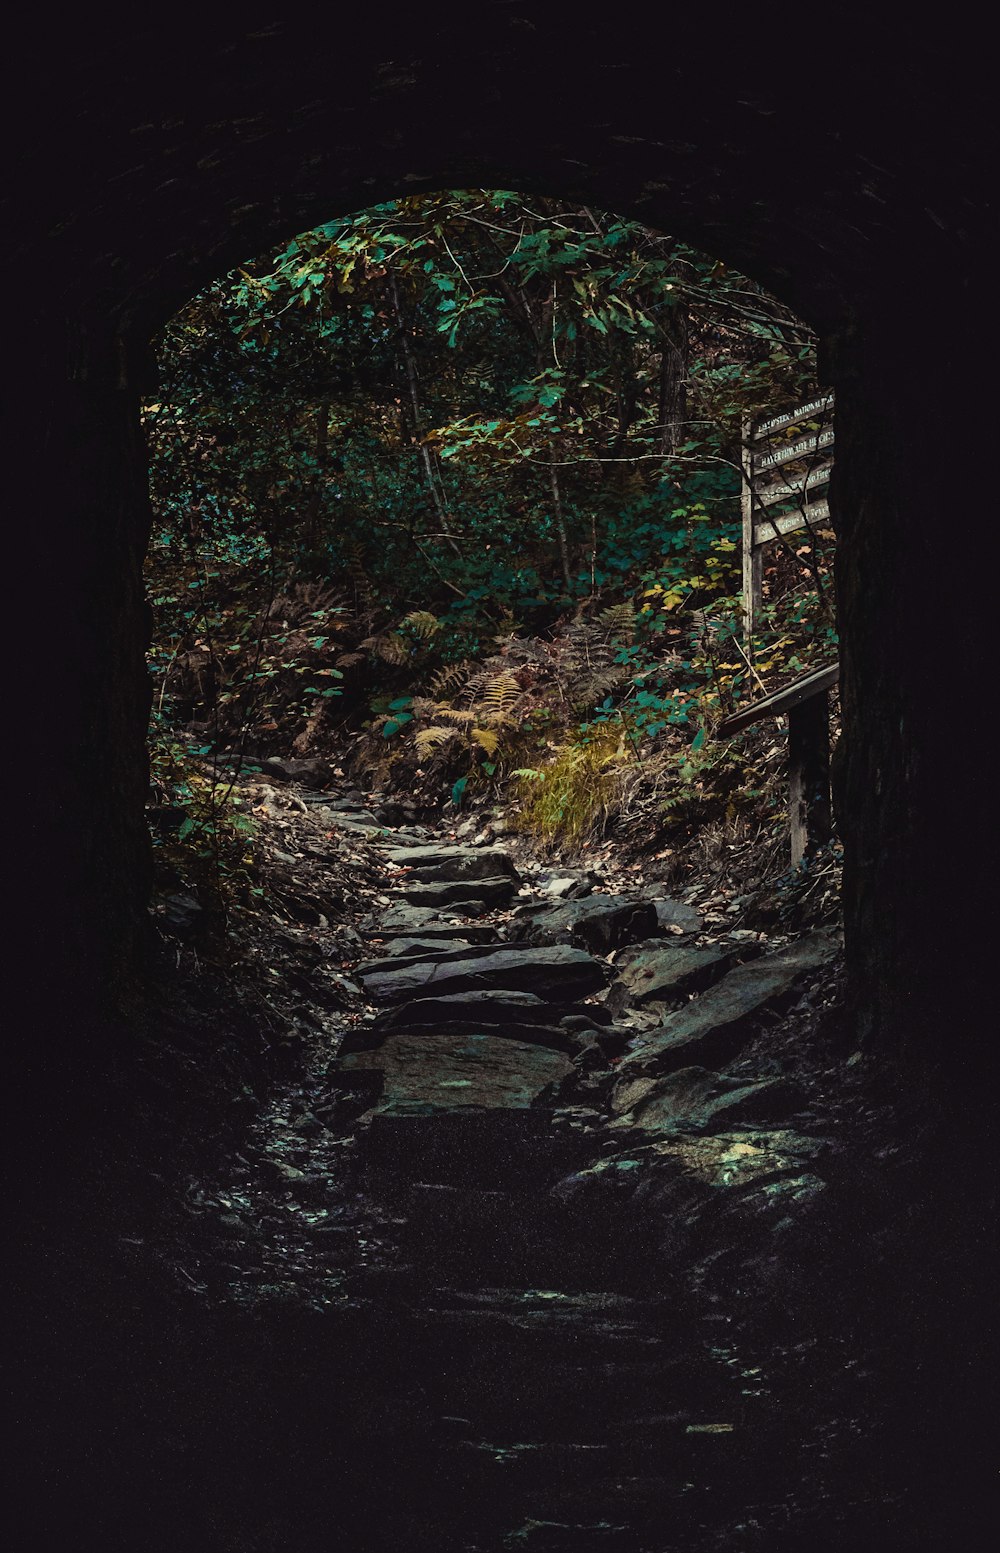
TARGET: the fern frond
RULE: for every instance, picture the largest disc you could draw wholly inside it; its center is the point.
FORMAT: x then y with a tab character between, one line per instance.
425	706
487	739
388	646
305	601
619	619
433	737
592	687
422	623
499	694
448	679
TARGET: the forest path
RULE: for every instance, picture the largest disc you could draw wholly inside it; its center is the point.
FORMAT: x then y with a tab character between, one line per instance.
524	1241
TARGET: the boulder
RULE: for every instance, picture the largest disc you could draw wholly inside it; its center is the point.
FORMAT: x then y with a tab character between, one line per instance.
557	973
183	914
447	862
698	1168
660	973
600	923
696	1098
565	884
723	1196
671	914
310	773
716	1026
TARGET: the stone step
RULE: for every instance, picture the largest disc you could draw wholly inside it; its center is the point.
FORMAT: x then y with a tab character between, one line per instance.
429	1073
369	1035
450	862
600	923
695	1098
446	952
557	973
715	1027
411	949
494	1005
661	972
424	922
356	824
493	891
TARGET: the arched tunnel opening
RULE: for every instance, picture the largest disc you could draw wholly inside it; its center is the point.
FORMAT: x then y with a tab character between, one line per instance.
448	499
670	1400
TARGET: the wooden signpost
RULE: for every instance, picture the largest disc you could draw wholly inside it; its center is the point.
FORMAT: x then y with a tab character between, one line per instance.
793	503
785	479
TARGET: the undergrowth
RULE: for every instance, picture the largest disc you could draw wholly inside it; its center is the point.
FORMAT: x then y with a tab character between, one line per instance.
462	525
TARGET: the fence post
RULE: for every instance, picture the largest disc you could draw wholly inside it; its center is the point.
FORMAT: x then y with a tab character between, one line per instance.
809	774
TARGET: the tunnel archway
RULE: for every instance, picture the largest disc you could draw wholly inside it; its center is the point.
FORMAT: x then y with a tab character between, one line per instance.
141	188
847	181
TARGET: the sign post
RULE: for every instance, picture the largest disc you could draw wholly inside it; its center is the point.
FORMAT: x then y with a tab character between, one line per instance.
797	448
787	462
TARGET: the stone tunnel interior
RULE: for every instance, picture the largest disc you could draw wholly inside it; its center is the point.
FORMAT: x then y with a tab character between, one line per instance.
856	200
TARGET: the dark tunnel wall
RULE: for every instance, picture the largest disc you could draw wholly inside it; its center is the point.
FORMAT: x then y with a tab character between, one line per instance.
846	177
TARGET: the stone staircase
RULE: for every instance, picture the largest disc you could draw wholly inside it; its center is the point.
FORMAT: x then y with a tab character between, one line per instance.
546	1185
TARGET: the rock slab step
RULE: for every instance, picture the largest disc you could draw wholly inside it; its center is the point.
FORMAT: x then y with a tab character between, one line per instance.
696	1098
445	952
495	1005
715	1027
557	973
425	922
370	1036
430	1072
659	972
445	862
671	914
600	923
446	892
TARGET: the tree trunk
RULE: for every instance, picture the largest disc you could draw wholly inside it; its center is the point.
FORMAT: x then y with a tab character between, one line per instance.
410	368
315	506
560	521
672	414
